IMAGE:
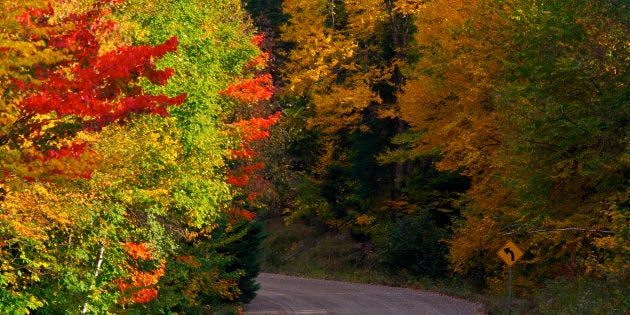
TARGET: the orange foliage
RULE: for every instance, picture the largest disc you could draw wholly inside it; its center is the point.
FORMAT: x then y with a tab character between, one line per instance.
236	214
448	92
144	295
137	250
243	176
34	213
260	61
258	39
141	288
251	90
256	128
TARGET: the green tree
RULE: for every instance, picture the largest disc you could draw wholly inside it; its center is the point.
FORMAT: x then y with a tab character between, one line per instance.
139	232
72	87
184	193
550	155
568	140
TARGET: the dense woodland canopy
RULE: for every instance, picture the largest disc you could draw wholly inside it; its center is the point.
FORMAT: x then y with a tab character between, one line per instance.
124	147
141	141
437	130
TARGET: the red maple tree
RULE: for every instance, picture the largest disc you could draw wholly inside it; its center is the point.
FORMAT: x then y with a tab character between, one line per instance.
88	89
244	174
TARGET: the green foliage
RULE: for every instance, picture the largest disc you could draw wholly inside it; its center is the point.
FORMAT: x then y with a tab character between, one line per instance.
158	185
566	130
204	272
245	253
55	273
583	296
436	191
195	282
569	112
267	13
416	245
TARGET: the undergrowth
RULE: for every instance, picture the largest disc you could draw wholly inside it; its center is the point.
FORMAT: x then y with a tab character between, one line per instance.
313	251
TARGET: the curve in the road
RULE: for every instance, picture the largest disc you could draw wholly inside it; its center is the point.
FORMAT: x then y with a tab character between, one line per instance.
281	294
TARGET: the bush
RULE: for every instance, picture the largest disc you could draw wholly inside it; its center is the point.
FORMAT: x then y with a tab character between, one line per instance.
415	244
584	295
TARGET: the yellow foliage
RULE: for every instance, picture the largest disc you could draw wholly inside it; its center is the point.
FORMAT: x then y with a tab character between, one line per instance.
365	220
364	16
340	107
408	7
606	242
64	8
326	158
448	91
474	240
34	210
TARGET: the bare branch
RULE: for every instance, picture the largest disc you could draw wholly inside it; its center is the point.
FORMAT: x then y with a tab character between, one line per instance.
561	230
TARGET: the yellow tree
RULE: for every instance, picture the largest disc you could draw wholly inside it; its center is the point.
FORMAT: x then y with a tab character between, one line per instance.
490	94
345	65
323	65
448	102
326	72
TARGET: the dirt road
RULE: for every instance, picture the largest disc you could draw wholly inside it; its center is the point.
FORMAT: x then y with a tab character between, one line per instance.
291	295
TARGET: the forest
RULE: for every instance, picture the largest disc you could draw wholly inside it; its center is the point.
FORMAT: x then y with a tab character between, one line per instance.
145	144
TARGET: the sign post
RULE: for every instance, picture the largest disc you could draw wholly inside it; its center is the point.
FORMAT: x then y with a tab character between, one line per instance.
510	253
509	290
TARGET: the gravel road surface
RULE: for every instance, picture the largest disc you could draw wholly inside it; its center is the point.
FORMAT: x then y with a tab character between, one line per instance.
280	294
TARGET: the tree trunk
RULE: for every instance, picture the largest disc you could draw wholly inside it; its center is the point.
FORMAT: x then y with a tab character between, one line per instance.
98	268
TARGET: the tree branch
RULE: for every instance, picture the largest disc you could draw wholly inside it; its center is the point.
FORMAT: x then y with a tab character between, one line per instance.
561	230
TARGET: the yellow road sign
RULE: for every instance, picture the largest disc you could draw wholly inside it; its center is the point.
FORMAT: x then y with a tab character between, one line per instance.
510	253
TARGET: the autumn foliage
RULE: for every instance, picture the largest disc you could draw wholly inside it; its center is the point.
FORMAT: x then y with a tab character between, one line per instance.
251	130
142	286
475	121
140	142
84	89
251	90
244	175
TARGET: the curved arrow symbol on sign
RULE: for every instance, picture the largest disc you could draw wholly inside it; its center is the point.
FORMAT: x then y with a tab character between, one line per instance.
510	253
507	250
